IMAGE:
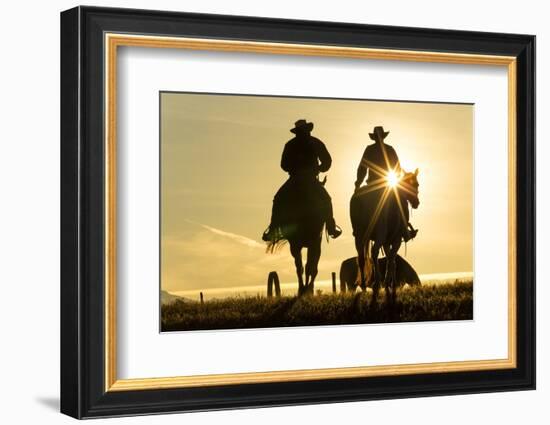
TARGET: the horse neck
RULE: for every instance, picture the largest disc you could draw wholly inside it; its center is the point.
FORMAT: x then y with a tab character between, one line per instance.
404	199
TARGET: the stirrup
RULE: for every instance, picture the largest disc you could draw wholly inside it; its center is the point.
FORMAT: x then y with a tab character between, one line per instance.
411	234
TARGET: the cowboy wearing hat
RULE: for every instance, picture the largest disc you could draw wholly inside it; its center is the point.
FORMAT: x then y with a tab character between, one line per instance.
304	157
379	159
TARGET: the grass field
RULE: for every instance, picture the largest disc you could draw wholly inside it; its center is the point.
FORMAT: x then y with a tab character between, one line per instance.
413	304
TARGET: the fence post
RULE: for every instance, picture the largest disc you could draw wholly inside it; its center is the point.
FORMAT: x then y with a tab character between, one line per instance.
333	282
202	299
273	279
277	284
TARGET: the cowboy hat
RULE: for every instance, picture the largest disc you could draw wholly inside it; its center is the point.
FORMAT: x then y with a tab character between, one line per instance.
378	132
302	125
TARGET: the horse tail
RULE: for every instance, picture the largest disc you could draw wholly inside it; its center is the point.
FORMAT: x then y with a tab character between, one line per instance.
274	246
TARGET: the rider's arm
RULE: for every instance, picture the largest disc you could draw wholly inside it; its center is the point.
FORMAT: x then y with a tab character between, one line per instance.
361	170
324	157
397	163
286	160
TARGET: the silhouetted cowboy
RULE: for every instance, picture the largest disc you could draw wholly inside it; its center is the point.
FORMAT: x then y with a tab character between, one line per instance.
381	161
304	157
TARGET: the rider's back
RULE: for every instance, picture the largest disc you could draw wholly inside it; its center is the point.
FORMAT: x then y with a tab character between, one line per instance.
379	157
307	156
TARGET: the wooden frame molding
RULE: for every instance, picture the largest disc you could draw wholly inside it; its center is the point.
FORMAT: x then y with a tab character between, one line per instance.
114	40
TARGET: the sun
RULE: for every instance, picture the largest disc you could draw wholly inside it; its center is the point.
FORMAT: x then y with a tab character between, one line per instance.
392	178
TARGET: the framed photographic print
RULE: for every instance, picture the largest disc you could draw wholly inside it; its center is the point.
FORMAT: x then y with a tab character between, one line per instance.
261	212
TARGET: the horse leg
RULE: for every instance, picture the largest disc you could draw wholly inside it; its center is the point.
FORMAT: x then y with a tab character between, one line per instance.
392	267
296	252
361	263
387	272
313	256
307	271
375	251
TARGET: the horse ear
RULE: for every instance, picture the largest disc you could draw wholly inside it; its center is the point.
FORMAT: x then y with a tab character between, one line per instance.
416	172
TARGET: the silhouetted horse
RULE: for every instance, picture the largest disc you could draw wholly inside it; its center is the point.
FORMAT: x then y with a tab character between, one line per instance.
302	226
379	219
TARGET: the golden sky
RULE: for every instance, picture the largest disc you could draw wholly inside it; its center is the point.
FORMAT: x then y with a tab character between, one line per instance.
220	157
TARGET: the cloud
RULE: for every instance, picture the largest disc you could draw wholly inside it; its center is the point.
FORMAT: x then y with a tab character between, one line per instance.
237	238
202	257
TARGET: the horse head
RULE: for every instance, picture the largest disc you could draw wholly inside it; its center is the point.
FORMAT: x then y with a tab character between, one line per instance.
409	188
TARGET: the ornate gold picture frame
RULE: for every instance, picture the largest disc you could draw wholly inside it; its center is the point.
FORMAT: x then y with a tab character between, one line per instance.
91	40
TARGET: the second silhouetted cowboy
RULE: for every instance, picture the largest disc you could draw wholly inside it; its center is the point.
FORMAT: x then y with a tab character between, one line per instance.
378	160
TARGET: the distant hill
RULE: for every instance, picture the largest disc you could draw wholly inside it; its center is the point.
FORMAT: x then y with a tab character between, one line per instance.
168	298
